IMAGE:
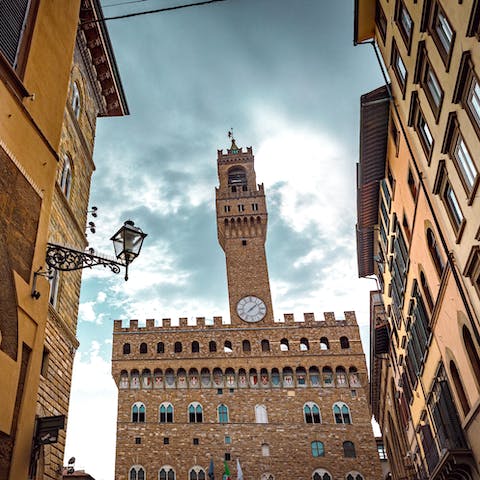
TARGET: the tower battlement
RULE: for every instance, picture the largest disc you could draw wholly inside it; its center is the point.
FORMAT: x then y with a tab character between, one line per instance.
240	152
329	320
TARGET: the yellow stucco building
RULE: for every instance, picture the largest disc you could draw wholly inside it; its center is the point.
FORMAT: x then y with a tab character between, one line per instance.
418	232
35	66
39	71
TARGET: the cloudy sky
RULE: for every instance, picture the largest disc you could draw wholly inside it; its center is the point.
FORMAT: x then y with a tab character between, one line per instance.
285	75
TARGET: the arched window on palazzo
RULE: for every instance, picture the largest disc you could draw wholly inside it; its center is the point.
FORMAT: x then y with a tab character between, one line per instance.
311	413
166	412
138	412
166	473
137	472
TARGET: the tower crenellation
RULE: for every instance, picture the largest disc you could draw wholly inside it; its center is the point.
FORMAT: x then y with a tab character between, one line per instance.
289	319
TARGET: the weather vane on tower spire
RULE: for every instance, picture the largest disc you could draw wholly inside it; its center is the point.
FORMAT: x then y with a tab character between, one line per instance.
230	135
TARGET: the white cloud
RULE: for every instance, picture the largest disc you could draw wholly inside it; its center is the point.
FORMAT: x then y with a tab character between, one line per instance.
86	313
336	289
101	297
313	256
142	309
92	415
314	164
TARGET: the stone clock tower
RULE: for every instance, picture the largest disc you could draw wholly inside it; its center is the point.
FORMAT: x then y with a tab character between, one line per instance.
280	399
242	231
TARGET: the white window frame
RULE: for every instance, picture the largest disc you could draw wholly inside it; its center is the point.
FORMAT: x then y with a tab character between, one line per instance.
261	415
76	100
168	469
265	450
195	405
465	163
426	133
321	472
138	405
137	468
354	474
452	204
197	469
166	405
54	284
473	99
341	405
433	86
444	31
66	177
311	405
401	68
406	20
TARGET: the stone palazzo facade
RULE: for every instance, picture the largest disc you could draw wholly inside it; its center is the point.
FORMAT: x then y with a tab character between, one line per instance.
275	397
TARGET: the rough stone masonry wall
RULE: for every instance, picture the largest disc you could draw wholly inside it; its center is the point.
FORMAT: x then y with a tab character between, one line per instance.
54	391
67	226
286	433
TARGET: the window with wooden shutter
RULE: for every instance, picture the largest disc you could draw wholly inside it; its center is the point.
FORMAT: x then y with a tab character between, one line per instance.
13	21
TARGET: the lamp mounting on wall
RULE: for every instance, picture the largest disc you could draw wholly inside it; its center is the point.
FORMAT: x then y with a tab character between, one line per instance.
127	243
39	273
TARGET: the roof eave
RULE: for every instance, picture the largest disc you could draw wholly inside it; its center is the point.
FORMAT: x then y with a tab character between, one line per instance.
364	21
98	41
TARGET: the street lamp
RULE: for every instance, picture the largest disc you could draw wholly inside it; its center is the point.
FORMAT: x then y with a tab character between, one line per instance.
127	243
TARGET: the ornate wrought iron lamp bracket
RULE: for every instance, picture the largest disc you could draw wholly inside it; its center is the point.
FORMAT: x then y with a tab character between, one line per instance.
68	259
127	242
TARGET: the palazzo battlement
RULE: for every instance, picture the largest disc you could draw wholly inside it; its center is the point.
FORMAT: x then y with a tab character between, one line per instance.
289	319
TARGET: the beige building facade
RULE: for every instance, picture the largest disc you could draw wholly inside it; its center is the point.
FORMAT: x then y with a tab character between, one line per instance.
280	398
418	232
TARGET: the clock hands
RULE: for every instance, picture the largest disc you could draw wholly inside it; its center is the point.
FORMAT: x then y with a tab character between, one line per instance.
251	308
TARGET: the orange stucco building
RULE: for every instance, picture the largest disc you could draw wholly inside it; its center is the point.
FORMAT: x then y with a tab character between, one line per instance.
418	232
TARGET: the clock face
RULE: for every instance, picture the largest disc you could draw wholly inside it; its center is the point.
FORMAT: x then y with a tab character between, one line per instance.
251	309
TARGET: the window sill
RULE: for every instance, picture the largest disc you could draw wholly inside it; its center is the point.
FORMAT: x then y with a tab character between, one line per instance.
460	231
473	192
426	149
436	109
